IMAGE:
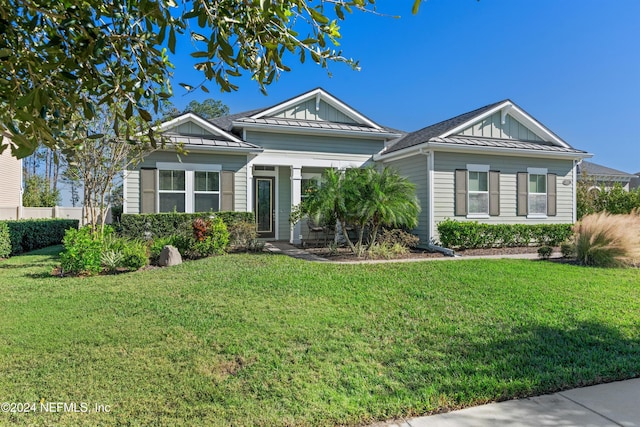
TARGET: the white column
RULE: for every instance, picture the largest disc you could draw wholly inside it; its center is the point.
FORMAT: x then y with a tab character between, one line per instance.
249	187
296	189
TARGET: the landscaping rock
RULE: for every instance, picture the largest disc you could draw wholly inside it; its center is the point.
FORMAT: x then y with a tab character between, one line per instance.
169	256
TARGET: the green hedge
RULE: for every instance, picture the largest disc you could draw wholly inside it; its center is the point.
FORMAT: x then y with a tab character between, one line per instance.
5	240
27	235
471	235
165	224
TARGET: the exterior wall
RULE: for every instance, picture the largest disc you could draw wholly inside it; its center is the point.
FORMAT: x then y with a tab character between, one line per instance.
414	168
492	127
307	111
284	202
189	128
337	145
445	165
229	162
11	179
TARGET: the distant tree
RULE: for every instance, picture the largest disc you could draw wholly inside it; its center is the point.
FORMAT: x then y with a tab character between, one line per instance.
38	193
209	108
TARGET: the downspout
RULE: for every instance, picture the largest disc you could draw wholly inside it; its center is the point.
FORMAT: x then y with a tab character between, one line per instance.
430	209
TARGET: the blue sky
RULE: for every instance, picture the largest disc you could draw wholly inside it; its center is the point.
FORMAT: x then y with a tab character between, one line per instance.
573	65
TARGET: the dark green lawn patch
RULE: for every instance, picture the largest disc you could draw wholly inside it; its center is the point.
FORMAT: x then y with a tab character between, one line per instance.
269	340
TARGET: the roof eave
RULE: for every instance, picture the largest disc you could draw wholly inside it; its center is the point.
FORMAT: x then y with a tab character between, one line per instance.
443	146
315	131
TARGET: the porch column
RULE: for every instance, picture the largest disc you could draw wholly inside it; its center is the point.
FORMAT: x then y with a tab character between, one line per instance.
249	187
296	181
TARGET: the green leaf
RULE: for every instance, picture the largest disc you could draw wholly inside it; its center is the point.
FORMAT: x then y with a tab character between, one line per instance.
144	114
128	111
204	88
172	40
416	6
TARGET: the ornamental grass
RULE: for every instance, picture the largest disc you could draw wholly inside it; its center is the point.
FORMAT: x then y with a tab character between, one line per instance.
605	240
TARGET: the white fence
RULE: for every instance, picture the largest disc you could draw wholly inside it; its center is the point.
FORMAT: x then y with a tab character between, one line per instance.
8	213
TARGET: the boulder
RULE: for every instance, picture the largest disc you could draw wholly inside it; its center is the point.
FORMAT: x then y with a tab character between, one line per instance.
169	256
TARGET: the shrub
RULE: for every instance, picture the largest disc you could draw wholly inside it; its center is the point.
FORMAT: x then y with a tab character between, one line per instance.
5	241
387	250
111	260
83	252
544	252
244	235
471	235
399	236
133	253
568	249
30	234
150	226
605	240
210	237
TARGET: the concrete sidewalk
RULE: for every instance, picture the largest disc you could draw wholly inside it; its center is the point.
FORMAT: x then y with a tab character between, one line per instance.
612	404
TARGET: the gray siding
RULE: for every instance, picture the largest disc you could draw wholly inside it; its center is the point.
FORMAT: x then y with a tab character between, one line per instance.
284	203
229	162
447	163
492	127
189	128
415	169
307	111
324	144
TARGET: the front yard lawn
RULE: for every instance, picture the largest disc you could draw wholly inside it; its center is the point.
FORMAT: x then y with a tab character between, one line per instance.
270	340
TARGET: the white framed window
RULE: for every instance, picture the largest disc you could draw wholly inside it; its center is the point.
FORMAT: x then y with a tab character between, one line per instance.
186	187
171	191
478	191
537	186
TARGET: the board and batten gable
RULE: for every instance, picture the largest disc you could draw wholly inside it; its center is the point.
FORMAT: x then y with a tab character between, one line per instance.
11	178
414	168
235	163
492	127
307	111
189	128
446	164
314	143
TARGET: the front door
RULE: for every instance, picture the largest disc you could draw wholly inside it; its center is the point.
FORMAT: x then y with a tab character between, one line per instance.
264	192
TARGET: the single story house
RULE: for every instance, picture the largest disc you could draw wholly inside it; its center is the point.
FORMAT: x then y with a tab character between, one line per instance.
11	187
495	164
597	175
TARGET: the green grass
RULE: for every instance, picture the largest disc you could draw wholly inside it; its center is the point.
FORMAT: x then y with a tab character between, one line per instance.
270	340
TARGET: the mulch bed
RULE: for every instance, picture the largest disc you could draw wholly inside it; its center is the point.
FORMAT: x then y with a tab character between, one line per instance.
345	255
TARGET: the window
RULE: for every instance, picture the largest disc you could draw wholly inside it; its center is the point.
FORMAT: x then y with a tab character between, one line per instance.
188	187
478	193
537	194
206	191
172	191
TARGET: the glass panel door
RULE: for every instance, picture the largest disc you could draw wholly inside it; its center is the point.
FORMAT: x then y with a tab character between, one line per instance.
264	206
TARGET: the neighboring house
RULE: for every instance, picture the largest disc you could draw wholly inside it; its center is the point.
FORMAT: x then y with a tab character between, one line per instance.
634	183
10	185
495	164
598	175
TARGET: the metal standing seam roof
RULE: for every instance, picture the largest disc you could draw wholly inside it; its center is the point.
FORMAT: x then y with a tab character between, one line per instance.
505	143
218	142
313	124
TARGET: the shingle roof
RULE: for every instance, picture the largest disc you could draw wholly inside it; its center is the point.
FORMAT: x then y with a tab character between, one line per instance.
594	169
312	124
226	122
504	143
218	142
425	134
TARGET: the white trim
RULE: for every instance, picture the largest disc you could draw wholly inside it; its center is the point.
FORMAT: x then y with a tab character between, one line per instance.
300	130
477	168
446	147
537	216
188	167
574	184
537	171
430	194
477	216
334	102
309	159
190	117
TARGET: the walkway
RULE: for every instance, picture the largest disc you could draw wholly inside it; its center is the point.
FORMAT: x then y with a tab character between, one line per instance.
612	404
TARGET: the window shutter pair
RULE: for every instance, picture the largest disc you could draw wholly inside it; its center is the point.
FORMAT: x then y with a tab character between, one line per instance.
523	194
149	190
462	192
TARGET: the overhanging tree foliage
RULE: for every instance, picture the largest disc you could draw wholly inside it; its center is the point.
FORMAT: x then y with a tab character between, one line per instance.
61	57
